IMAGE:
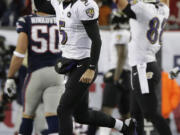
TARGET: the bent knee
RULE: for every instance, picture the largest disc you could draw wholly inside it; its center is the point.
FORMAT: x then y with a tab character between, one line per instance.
63	110
150	116
59	110
80	118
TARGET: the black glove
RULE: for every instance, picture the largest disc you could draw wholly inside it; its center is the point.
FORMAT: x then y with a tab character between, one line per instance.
109	76
119	17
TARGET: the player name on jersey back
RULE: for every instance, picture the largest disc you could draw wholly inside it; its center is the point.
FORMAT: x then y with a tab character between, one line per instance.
42	20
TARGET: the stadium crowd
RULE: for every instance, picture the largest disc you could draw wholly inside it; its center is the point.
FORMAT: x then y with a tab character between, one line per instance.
11	10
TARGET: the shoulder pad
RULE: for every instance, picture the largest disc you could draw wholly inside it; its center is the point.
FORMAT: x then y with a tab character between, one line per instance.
22	19
88	10
21	24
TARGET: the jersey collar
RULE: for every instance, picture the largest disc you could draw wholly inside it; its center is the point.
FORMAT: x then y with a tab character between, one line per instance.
66	4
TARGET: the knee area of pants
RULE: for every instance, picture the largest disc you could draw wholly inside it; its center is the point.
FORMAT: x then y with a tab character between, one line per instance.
150	115
61	110
80	118
136	115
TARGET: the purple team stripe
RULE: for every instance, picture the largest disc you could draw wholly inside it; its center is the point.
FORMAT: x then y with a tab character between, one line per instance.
26	82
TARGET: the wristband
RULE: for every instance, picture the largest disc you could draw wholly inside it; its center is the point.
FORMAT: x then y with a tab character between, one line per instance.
19	54
93	67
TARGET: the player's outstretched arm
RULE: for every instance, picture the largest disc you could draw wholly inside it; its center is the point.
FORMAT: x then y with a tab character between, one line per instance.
121	51
126	8
122	4
88	13
16	61
19	54
92	30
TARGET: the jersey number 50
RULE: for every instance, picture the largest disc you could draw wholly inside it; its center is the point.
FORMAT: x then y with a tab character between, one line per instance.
47	37
153	34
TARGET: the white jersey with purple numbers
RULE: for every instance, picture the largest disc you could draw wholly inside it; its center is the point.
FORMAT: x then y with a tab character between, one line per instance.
146	31
75	43
119	37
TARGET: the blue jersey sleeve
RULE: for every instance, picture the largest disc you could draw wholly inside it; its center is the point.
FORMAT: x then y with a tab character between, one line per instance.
21	25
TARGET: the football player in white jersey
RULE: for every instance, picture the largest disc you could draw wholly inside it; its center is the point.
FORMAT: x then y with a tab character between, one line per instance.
81	44
38	35
147	22
117	79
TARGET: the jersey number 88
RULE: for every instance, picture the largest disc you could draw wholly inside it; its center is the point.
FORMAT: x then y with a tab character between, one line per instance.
153	34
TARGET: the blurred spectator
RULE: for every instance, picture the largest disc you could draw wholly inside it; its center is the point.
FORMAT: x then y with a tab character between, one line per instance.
174	19
104	12
13	12
5	57
106	8
27	9
3	7
6	52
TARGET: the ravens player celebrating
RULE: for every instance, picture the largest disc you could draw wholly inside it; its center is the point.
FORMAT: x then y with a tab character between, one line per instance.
148	19
38	35
80	44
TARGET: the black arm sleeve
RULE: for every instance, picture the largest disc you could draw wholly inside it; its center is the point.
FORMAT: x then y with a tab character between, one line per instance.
92	30
129	12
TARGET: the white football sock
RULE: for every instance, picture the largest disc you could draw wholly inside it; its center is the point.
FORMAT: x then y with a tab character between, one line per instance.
127	121
118	125
104	131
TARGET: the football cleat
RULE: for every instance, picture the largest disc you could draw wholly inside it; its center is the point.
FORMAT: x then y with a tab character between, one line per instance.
129	127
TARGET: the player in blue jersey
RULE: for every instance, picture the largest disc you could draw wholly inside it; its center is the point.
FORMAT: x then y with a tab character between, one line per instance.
38	36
